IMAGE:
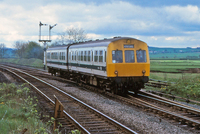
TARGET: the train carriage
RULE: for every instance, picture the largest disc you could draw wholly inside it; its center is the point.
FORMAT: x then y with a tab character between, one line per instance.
118	64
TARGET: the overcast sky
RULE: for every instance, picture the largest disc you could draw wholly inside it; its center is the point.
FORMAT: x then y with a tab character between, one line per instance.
159	23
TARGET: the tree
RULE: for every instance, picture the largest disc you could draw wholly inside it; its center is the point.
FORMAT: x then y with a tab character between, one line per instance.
76	35
72	35
20	48
34	50
28	50
2	50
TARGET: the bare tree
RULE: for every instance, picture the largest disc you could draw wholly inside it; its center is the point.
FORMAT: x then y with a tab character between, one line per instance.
2	50
76	35
61	38
72	35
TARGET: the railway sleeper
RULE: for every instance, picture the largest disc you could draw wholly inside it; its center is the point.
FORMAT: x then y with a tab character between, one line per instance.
191	124
99	127
105	130
197	126
177	119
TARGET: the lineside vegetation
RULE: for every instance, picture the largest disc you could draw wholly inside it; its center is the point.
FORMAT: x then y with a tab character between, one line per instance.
19	112
185	85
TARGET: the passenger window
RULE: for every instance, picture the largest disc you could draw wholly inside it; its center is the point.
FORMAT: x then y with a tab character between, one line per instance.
85	55
51	55
56	55
69	55
141	56
89	56
92	56
117	56
129	56
72	55
75	55
48	55
96	56
63	55
81	55
101	56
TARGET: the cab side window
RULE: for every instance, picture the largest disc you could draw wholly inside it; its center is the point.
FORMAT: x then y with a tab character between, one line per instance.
104	56
117	56
141	56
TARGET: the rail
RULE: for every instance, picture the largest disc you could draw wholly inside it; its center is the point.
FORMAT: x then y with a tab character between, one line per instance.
84	130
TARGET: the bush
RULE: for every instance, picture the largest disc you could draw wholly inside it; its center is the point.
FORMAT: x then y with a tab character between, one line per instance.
19	111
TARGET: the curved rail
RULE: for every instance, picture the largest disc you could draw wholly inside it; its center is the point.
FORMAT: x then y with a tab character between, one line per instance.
186	116
118	125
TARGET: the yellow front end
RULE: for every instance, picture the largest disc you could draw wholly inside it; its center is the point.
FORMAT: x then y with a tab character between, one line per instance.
124	68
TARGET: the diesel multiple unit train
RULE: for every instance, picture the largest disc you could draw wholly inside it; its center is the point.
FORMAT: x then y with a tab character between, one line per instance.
120	64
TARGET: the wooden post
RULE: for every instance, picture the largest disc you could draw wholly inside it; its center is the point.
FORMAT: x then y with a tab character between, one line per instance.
58	111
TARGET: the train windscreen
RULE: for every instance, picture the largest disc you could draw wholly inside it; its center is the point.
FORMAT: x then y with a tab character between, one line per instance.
117	56
129	56
141	56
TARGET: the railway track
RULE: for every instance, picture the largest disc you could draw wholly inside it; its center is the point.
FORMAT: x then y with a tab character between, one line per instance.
180	113
173	97
165	108
78	115
183	114
156	83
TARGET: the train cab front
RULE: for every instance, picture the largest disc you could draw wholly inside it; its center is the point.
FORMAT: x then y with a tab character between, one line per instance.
128	65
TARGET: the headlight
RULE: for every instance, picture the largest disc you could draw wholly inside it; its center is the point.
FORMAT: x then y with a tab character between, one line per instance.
116	72
143	71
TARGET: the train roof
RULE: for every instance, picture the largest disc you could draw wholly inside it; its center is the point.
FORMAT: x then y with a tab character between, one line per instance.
90	43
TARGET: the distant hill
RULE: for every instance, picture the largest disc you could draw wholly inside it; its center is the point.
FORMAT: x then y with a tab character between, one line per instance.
174	53
154	52
10	53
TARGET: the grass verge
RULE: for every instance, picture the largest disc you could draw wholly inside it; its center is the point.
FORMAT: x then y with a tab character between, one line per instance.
19	112
185	85
37	63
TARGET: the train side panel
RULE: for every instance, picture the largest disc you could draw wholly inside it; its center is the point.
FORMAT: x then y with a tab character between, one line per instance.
87	60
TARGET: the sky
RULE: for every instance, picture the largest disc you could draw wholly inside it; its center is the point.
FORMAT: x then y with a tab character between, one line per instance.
159	23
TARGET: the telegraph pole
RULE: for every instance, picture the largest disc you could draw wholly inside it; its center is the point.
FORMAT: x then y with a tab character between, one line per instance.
45	41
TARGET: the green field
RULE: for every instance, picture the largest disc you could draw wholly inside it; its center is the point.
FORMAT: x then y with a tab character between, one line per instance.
37	63
173	65
173	55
